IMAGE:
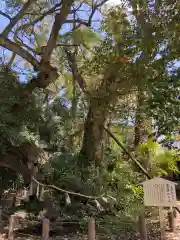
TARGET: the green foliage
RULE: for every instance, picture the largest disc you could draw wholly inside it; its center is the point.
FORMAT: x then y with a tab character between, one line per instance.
162	160
119	186
17	126
165	162
83	35
164	103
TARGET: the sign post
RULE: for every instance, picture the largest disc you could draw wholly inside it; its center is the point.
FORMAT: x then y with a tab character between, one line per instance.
161	220
171	218
159	192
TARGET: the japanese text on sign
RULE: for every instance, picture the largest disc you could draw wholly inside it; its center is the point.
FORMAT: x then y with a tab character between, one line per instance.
159	192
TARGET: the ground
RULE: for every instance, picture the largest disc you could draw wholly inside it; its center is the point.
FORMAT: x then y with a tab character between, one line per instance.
152	226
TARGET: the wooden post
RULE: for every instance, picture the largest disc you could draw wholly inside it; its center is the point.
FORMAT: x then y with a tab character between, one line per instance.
45	229
162	227
172	221
11	227
91	229
142	227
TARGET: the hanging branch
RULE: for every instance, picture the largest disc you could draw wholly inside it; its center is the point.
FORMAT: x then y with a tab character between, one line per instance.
142	169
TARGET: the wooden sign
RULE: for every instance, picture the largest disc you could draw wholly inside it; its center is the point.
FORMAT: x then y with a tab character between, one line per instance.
159	192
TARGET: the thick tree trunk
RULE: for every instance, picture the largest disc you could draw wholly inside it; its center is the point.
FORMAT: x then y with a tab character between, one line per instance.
92	148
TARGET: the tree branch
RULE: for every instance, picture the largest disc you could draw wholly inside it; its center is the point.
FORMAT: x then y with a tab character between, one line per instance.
75	71
12	59
5	15
21	43
40	18
142	169
94	8
15	48
59	20
67	45
46	73
81	22
47	76
17	17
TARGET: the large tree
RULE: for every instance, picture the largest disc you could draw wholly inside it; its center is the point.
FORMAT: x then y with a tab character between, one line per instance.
130	58
28	36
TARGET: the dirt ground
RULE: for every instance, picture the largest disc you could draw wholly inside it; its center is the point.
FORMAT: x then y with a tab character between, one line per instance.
152	227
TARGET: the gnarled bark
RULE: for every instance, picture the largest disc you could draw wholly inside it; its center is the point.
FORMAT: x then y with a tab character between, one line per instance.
92	147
